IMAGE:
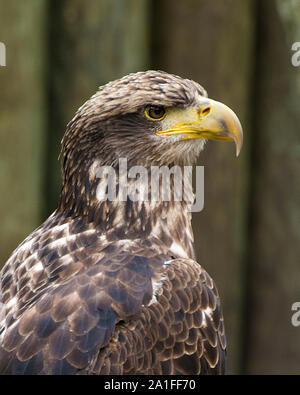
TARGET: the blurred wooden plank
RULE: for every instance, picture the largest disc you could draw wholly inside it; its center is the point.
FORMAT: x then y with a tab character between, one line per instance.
273	341
212	42
91	42
22	120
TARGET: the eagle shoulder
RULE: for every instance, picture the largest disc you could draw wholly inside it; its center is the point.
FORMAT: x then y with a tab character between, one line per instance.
181	332
62	292
75	302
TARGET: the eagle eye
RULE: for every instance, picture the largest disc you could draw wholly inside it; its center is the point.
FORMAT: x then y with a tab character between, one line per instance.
155	112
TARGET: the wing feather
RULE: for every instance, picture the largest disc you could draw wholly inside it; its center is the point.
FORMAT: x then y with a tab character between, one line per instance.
73	302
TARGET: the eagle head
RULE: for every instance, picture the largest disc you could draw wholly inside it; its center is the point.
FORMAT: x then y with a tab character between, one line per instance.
149	118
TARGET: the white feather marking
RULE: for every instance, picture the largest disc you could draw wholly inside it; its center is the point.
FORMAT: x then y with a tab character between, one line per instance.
156	287
11	303
37	268
93	169
178	250
155	230
207	312
54	245
59	228
103	238
62	241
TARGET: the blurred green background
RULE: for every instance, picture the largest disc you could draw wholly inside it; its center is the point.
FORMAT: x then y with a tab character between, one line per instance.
248	235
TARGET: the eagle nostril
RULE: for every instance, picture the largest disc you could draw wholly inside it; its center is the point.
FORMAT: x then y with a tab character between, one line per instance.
205	111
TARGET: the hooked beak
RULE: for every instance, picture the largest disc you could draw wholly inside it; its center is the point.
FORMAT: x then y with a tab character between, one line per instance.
211	120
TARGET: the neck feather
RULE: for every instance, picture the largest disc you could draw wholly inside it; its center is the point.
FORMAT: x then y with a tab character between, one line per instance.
159	211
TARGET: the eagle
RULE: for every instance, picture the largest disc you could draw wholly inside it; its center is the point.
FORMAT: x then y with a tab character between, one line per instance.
112	286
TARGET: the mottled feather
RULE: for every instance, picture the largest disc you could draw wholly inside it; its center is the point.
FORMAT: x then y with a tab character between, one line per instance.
112	287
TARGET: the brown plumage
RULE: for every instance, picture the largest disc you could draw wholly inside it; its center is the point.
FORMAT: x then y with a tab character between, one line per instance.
112	287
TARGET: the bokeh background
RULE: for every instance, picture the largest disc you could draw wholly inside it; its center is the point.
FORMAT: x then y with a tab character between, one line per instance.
248	235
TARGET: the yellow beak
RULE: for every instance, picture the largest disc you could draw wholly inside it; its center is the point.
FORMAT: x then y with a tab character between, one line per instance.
211	120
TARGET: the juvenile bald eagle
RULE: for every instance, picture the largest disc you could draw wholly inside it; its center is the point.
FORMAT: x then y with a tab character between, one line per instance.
112	286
